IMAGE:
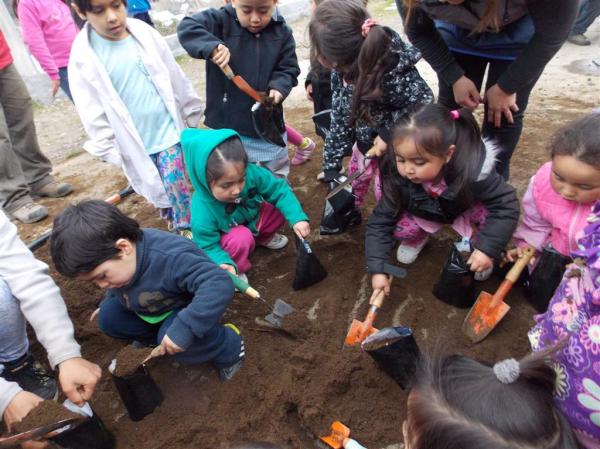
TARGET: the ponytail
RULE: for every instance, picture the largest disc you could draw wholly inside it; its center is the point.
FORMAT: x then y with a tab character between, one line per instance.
362	54
373	62
460	403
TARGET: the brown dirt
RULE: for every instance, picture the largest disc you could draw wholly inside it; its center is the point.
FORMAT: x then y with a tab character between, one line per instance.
47	412
129	359
291	389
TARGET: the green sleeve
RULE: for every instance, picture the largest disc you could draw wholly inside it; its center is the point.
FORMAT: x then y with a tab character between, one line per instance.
278	192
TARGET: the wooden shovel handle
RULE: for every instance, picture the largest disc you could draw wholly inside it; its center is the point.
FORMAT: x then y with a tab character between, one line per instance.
371	153
518	267
512	276
227	71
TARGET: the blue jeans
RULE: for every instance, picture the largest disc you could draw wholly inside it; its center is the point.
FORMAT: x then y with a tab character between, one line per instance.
64	82
220	345
588	11
13	334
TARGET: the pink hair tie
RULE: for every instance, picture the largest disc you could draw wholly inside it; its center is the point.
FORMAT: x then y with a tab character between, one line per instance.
367	25
455	114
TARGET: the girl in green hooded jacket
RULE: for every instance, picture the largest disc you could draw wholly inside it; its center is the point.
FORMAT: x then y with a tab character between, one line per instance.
236	205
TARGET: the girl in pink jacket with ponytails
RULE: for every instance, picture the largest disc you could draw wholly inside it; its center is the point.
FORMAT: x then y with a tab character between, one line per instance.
556	204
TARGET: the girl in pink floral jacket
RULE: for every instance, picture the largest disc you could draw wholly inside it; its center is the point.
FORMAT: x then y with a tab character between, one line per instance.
559	198
574	315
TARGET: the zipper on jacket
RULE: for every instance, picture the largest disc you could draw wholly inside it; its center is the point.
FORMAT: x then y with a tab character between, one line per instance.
225	97
257	36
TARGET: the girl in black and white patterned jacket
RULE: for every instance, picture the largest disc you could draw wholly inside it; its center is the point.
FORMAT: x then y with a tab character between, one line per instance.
374	83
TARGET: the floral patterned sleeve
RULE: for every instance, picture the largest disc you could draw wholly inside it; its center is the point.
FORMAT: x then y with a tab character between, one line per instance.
574	315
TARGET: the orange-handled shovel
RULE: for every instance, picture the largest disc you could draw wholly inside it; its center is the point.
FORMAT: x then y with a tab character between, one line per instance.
339	433
359	330
241	83
488	310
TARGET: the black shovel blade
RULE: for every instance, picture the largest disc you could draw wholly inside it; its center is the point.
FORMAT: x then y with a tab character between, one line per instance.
267	118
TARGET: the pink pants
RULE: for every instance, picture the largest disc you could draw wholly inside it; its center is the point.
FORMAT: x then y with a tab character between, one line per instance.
414	229
239	242
360	186
294	136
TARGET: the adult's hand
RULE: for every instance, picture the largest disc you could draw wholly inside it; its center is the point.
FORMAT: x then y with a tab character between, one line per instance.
466	93
78	379
19	408
500	103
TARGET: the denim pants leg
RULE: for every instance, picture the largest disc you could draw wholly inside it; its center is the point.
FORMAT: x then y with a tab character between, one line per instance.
63	73
508	134
589	10
13	333
220	344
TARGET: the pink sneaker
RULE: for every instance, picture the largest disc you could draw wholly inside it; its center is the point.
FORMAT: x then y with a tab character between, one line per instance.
303	151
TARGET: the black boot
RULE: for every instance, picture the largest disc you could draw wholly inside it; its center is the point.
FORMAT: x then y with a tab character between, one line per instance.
31	376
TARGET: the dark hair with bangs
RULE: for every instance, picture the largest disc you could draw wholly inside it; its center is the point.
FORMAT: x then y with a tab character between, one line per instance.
85	6
580	139
335	32
84	235
459	403
230	150
434	130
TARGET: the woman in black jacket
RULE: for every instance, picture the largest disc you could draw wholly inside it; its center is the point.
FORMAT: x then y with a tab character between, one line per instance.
440	172
515	38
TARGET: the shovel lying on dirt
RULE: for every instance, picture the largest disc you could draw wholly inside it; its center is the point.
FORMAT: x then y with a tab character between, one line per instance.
350	179
113	199
279	310
359	330
488	310
267	116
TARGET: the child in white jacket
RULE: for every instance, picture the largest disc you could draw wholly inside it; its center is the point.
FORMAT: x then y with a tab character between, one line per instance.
134	100
27	292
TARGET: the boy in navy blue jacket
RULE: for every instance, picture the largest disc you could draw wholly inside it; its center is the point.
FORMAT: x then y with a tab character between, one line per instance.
160	287
254	40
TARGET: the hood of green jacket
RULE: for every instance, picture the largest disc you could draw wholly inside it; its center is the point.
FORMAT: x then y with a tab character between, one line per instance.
198	144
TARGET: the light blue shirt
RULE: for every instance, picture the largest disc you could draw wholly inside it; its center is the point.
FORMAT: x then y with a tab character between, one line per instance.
132	82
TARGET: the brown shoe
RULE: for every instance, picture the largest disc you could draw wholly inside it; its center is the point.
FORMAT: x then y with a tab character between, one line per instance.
30	213
54	190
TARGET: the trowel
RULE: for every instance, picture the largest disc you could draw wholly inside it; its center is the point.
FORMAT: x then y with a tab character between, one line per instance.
44	432
279	310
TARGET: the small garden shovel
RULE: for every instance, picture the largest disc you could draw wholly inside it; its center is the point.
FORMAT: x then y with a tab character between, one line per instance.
488	310
267	117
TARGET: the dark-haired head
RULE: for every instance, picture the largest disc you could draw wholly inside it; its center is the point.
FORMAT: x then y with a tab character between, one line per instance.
490	19
338	41
88	234
85	6
226	169
580	139
436	134
459	403
575	152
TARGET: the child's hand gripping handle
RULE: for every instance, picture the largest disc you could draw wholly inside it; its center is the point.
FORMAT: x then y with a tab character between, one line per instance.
513	275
